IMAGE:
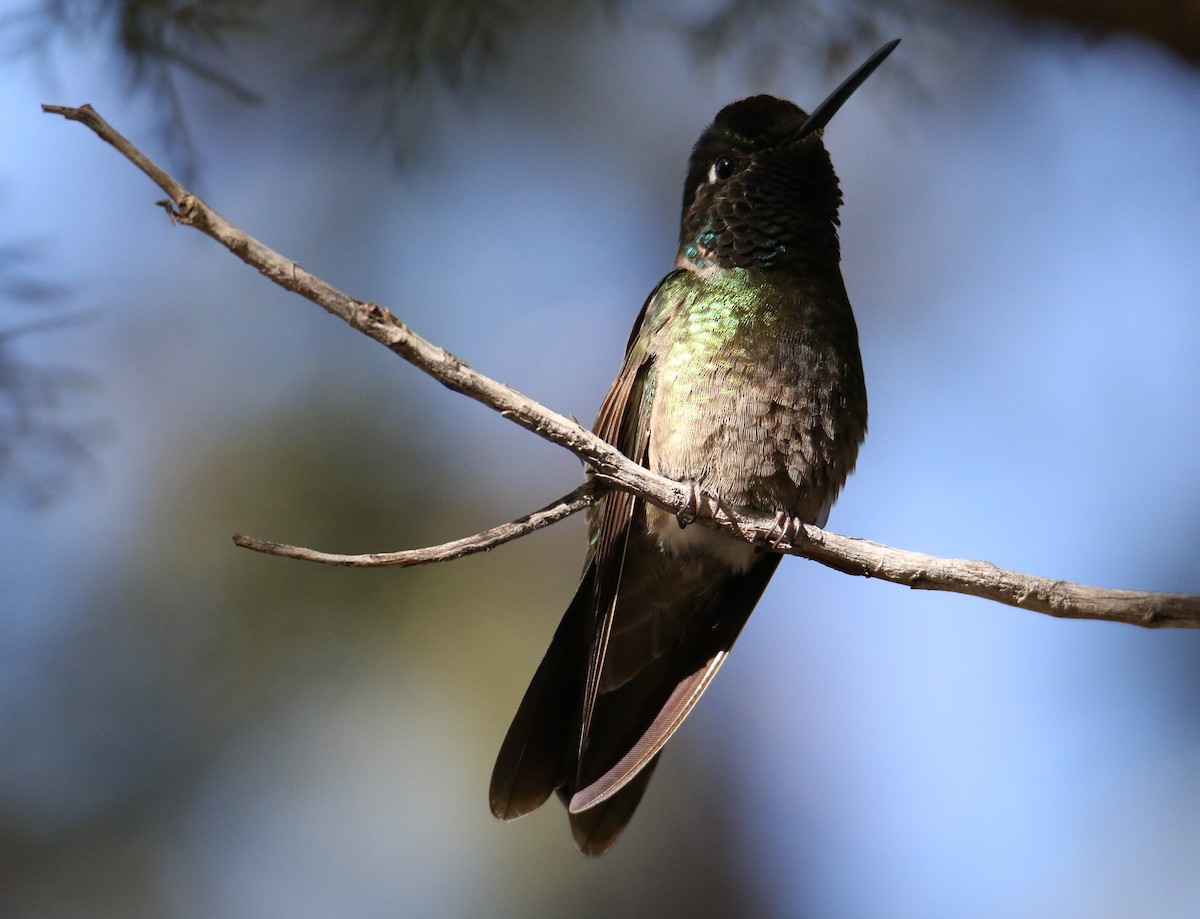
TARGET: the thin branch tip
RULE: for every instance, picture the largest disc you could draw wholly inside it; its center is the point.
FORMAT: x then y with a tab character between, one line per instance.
564	507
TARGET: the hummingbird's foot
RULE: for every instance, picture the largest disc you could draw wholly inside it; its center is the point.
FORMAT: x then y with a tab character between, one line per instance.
788	527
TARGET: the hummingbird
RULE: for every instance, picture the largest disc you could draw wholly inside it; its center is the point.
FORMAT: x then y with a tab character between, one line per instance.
742	378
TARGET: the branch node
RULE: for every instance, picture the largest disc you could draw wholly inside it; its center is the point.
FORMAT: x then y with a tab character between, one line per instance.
189	209
374	314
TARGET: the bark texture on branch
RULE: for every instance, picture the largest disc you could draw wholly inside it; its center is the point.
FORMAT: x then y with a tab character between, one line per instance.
1174	24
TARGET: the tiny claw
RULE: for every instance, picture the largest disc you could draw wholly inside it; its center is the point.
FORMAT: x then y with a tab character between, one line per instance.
691	510
789	529
770	537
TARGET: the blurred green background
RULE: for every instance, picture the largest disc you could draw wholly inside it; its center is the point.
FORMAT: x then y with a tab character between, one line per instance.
188	729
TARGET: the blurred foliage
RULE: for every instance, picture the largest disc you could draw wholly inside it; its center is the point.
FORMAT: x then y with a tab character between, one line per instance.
766	34
1173	24
43	446
401	53
153	41
400	57
193	644
191	639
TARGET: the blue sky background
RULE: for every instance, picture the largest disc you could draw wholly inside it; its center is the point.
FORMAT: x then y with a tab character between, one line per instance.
194	731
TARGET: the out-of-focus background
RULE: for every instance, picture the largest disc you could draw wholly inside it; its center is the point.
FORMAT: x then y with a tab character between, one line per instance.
187	729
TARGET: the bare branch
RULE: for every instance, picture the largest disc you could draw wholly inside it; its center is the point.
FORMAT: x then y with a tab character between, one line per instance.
611	468
564	507
1063	599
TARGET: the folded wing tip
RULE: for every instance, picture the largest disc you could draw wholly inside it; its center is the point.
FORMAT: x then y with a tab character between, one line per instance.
594	794
506	807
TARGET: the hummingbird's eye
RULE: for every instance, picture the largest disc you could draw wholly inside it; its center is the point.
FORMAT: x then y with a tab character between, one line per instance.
720	170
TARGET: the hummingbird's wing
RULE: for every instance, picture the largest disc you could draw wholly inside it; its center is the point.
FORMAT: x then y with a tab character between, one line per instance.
623	421
540	750
538	753
632	723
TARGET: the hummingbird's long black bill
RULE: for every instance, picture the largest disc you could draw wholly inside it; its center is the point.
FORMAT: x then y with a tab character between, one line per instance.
827	109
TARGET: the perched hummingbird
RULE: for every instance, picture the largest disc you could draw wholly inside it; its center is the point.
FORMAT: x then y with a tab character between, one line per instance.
743	378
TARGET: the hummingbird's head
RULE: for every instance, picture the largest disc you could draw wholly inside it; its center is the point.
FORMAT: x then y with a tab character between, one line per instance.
760	188
756	193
